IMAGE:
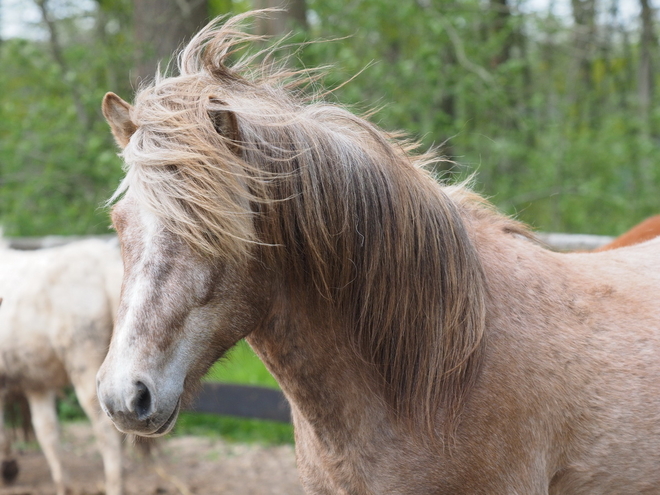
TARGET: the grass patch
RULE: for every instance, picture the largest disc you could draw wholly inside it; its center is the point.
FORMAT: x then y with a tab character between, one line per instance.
234	429
241	365
68	407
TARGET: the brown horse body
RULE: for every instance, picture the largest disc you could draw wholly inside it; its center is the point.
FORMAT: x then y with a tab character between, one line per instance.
425	343
567	400
643	231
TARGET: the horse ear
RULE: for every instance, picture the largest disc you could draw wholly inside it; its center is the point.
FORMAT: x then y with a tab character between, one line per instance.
224	121
117	112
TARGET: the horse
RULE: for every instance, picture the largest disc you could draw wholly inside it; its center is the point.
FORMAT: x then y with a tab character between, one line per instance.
427	343
643	231
55	325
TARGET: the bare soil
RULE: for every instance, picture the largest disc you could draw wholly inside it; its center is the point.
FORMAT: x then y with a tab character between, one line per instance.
181	465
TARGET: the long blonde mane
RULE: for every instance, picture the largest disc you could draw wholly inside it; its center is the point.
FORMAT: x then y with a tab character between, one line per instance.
341	206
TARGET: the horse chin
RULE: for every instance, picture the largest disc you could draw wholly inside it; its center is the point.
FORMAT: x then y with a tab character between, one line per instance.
163	429
167	426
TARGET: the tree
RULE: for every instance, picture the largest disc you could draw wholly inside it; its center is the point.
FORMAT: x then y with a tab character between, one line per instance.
161	27
648	43
501	29
56	48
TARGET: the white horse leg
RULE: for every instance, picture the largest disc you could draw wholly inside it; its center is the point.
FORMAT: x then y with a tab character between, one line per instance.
4	440
107	437
44	421
8	466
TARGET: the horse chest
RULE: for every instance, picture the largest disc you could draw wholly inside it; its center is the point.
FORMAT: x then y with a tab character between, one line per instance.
324	470
371	463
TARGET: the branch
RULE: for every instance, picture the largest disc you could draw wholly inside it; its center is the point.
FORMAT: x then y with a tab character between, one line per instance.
460	53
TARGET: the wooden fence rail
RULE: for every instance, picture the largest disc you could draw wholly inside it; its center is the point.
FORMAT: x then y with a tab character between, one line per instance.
243	401
573	242
558	241
32	243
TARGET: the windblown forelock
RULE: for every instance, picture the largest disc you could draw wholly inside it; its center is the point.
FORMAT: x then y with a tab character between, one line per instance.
183	171
180	168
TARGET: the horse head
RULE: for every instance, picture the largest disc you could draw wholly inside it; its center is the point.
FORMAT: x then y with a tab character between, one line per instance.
180	309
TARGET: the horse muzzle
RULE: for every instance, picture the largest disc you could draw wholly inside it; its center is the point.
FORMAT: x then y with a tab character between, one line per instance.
137	408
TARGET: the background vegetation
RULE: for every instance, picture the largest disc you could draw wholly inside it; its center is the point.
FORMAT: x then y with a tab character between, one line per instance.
554	109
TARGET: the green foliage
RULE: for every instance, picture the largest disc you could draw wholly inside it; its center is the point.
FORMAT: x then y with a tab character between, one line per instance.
57	160
552	125
241	365
506	98
234	429
68	407
224	7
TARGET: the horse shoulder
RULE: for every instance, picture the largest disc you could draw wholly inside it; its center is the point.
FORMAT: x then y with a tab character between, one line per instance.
573	346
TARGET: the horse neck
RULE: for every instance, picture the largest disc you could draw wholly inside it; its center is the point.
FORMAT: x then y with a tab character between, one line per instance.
304	346
308	345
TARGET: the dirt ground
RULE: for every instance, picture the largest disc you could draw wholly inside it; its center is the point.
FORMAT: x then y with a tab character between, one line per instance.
182	465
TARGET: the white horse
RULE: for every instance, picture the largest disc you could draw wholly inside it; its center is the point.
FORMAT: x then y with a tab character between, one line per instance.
55	326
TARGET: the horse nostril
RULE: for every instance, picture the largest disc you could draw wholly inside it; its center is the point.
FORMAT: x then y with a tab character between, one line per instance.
142	401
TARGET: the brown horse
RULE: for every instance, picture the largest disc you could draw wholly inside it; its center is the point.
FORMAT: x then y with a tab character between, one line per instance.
643	231
427	345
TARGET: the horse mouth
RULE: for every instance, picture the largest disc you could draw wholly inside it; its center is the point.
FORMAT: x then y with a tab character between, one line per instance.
167	426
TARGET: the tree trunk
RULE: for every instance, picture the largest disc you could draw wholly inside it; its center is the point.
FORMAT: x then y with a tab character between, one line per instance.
160	28
648	42
501	29
584	32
